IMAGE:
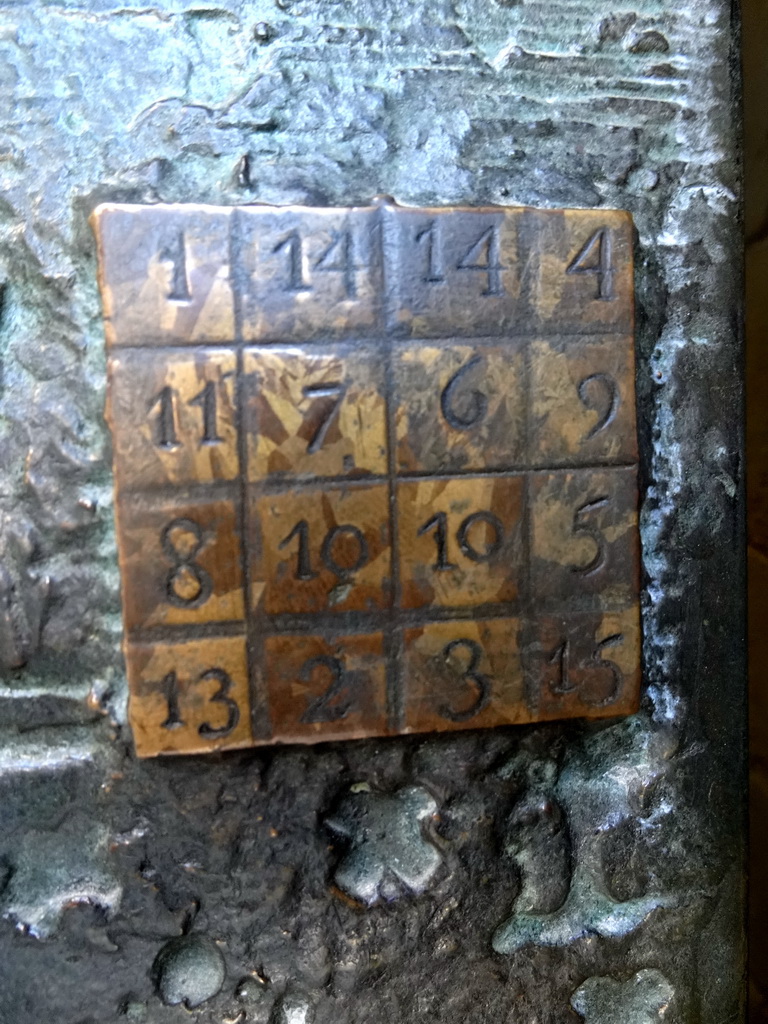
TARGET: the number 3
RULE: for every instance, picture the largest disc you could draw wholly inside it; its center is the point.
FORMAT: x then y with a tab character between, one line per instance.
477	679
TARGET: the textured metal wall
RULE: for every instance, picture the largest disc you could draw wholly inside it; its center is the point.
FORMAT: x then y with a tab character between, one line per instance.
605	860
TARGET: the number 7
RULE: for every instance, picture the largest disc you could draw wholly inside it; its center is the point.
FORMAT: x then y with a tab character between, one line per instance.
334	391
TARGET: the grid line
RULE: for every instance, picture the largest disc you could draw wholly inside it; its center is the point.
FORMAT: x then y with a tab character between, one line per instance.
393	648
259	705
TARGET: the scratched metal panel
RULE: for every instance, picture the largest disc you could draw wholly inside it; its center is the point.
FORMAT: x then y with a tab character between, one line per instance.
559	872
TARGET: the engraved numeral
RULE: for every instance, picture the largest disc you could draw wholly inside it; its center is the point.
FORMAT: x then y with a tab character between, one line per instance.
429	238
600	393
165	424
221	696
165	421
328	550
322	708
581	526
596	257
561	657
175	253
329	411
339	256
477	679
206	400
439	523
170	688
304	569
484	255
293	246
463	412
597	659
491	547
330	542
187	585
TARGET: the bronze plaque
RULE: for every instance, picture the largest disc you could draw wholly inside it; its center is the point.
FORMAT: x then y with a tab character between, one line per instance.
376	468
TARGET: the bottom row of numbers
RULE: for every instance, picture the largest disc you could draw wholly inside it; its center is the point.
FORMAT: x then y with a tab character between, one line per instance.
194	695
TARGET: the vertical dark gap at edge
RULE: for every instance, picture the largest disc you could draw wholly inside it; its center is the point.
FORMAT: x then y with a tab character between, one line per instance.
393	637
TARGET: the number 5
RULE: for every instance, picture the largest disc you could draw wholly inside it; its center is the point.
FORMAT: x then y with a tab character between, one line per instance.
597	659
581	526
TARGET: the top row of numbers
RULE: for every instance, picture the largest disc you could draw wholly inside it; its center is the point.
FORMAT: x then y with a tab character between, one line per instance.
176	275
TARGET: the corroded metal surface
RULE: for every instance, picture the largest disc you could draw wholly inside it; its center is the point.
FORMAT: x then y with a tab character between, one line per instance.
601	859
377	528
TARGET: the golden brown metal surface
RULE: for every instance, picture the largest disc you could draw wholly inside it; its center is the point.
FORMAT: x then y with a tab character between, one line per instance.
376	469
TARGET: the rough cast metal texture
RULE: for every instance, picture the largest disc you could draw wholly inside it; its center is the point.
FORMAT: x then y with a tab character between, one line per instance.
411	506
577	872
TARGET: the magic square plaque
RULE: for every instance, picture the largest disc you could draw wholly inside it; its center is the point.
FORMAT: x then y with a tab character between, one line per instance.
376	468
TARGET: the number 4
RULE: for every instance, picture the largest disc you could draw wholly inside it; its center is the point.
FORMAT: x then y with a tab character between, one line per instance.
596	257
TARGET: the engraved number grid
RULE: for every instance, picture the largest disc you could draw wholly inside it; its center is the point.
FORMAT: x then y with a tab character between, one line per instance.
406	584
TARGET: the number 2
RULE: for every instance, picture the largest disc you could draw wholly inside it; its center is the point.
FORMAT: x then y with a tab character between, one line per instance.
320	709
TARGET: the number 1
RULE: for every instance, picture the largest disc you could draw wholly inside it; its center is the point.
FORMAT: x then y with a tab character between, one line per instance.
295	246
428	236
304	569
206	400
170	687
176	254
166	419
